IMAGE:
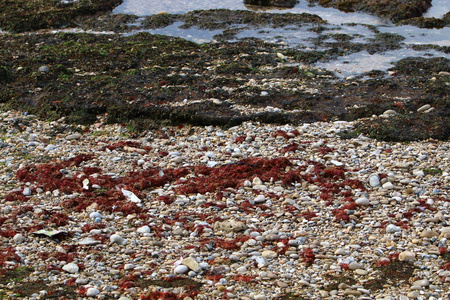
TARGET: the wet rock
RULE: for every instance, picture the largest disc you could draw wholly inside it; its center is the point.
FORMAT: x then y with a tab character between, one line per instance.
277	3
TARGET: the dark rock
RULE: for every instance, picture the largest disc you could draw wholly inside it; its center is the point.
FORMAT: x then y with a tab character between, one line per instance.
276	3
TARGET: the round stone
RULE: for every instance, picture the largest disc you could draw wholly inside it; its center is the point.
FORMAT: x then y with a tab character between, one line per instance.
18	238
181	269
362	201
71	268
92	292
374	180
144	229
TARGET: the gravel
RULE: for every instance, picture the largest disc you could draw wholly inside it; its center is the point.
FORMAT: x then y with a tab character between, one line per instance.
330	222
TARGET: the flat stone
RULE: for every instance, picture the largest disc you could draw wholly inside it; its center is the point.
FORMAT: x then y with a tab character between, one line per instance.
428	234
424	108
88	241
191	264
360	272
230	226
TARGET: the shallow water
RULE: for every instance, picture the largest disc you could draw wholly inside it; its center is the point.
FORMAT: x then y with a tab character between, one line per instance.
354	24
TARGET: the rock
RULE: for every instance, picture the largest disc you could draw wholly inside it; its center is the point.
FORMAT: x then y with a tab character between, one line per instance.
88	241
374	180
272	237
43	69
391	228
388	186
361	272
269	254
389	112
144	229
445	233
92	292
117	239
26	191
421	283
424	108
230	226
181	269
95	215
277	3
428	234
362	201
242	269
129	267
354	265
191	264
73	136
71	268
406	256
260	199
18	238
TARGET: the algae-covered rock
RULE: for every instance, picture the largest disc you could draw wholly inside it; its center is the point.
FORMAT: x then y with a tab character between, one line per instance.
277	3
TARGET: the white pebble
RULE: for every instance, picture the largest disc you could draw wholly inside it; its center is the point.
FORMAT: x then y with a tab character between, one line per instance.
71	268
181	269
92	292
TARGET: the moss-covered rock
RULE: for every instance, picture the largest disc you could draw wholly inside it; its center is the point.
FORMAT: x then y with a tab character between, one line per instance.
26	15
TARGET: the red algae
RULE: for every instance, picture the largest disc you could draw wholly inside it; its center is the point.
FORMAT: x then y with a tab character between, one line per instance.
308	256
8	254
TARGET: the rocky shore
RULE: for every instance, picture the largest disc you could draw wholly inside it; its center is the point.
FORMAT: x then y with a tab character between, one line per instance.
254	211
151	167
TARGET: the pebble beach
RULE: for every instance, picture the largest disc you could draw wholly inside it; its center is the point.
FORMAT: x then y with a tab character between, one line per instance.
255	211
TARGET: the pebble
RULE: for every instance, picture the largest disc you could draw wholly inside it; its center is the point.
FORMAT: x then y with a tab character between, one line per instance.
71	268
117	239
388	186
18	238
144	229
428	234
362	201
391	228
424	108
406	256
44	69
191	264
374	180
195	236
92	292
181	269
73	136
